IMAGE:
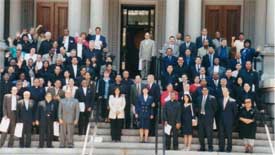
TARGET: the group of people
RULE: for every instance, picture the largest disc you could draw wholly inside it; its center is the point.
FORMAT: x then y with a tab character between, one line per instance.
205	85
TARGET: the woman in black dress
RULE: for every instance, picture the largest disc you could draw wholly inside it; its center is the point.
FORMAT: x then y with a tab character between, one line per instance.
144	113
187	116
248	125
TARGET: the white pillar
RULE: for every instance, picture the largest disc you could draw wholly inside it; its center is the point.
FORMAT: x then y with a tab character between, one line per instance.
2	10
193	18
259	28
74	13
96	14
15	17
270	22
172	18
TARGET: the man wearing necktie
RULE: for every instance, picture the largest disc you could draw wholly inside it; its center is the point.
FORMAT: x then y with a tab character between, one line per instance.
135	91
227	114
9	111
25	115
68	115
206	108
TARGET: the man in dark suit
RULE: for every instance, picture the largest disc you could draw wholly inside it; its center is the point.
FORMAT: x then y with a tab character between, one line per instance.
249	76
216	68
206	109
98	38
208	59
37	95
5	87
46	45
104	90
203	37
9	111
169	59
135	92
74	68
188	59
85	95
25	115
127	82
188	45
195	69
154	91
227	114
92	52
67	41
181	68
172	117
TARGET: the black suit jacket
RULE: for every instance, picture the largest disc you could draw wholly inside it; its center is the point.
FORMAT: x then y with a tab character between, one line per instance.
88	99
72	44
71	70
23	115
228	113
192	48
210	108
199	42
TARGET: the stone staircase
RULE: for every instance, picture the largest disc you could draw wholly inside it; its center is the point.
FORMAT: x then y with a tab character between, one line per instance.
130	145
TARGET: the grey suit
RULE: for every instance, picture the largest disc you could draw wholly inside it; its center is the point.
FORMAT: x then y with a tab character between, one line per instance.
68	111
7	111
147	50
174	47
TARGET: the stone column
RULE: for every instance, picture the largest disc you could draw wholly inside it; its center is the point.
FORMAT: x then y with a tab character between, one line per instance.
74	15
172	18
268	79
2	15
193	18
96	14
15	17
259	36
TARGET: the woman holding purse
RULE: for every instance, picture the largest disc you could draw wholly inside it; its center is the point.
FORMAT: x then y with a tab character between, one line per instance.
188	121
116	114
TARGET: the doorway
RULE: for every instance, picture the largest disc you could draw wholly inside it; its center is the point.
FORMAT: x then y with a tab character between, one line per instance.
135	22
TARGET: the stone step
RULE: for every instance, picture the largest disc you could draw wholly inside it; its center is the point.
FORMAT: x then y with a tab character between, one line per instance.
135	132
100	125
77	151
134	140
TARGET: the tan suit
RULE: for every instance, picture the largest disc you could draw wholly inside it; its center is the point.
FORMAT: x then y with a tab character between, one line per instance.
7	111
147	50
60	92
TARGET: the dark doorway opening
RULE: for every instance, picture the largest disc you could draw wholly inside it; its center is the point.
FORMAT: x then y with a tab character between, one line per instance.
135	22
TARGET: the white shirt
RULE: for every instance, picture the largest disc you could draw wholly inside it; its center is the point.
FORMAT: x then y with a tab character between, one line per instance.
239	45
85	90
216	69
79	50
225	102
13	103
28	56
75	70
145	98
39	64
97	37
66	42
26	104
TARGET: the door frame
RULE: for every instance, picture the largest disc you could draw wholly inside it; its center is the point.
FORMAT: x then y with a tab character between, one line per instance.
224	2
123	56
134	3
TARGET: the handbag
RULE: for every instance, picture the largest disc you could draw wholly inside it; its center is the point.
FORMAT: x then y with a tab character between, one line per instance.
194	119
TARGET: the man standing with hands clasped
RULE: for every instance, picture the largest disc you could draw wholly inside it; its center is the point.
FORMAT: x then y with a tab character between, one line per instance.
68	114
172	117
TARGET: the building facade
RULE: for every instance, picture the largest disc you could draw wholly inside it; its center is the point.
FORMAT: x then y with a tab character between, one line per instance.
124	23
